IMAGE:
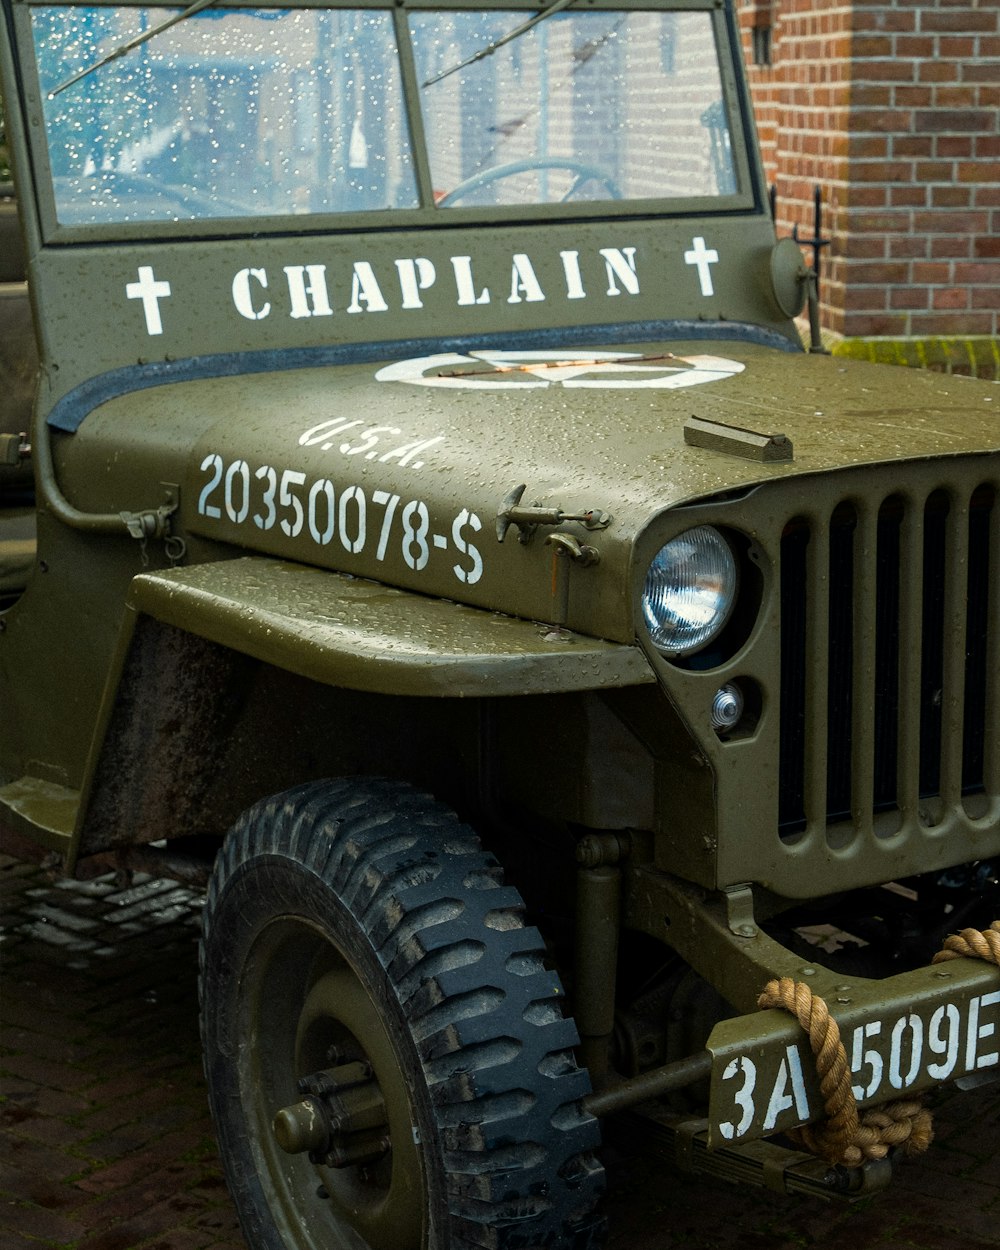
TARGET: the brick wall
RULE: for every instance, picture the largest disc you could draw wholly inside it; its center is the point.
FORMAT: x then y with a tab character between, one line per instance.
893	107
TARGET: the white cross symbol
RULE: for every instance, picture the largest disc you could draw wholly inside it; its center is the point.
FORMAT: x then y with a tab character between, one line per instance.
702	257
150	292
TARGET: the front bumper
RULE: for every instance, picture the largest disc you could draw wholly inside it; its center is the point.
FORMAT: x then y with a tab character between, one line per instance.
901	1035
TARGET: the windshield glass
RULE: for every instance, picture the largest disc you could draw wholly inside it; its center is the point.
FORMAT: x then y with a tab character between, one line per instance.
583	106
228	113
270	112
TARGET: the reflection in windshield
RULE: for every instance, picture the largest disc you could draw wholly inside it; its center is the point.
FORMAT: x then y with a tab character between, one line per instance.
228	113
488	49
584	106
269	112
131	44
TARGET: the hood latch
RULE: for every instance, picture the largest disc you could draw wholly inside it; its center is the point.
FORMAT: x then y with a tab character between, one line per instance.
530	518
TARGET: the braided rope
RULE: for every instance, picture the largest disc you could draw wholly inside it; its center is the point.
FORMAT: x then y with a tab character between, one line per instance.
844	1137
972	944
833	1139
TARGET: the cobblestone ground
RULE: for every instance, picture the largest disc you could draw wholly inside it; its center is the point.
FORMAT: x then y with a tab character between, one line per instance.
107	1143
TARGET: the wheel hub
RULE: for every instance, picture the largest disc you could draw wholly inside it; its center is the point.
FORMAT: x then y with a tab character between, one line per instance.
341	1122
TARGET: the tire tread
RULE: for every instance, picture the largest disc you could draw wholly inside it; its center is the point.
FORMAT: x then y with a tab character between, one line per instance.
483	1010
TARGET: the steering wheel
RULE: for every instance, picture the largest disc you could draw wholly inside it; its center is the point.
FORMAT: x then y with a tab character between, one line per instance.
584	173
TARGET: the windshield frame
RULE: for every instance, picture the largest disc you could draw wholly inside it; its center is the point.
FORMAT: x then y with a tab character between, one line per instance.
748	196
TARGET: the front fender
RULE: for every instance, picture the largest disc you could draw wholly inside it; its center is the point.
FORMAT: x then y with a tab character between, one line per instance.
345	631
184	717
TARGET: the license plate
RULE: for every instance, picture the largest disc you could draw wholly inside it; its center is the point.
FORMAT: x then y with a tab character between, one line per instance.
764	1073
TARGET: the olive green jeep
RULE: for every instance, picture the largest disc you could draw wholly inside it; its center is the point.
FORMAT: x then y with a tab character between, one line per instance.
422	523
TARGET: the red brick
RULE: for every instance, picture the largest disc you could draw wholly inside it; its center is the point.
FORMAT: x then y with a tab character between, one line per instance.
973	171
123	1085
868	46
909	297
887	273
981	71
950	223
869	197
950	246
13	1241
156	1157
937	71
908	245
919	47
959	96
951	197
919	97
958	146
37	1189
868	299
39	1222
895	69
45	1072
979	274
935	273
868	146
863	221
961	20
153	1222
987	297
911	145
908	195
865	325
863	247
869	95
987	197
49	1130
953	121
934	171
28	1156
938	322
882	18
955	48
950	297
882	171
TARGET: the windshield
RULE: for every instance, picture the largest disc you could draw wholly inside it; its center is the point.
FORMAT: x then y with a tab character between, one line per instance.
271	112
604	105
229	113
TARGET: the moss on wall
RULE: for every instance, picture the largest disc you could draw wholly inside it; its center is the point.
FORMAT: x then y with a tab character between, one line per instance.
975	356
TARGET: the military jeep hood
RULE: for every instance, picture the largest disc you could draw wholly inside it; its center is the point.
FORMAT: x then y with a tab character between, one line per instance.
396	471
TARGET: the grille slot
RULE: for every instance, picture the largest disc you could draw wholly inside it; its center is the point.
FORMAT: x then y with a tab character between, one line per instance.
890	662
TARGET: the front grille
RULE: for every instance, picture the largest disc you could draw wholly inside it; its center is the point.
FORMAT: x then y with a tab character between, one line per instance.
890	662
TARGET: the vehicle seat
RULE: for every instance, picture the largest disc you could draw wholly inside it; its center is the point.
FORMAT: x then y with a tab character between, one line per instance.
17	552
18	368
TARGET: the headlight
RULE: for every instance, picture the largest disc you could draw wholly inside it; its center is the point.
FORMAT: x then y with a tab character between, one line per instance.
690	591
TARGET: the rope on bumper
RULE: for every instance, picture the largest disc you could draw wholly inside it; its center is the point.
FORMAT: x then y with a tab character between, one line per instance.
972	944
844	1137
832	1138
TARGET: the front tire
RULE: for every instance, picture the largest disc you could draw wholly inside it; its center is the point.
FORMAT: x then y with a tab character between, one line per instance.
360	952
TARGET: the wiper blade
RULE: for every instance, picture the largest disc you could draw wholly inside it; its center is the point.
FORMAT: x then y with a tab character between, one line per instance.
490	48
137	42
